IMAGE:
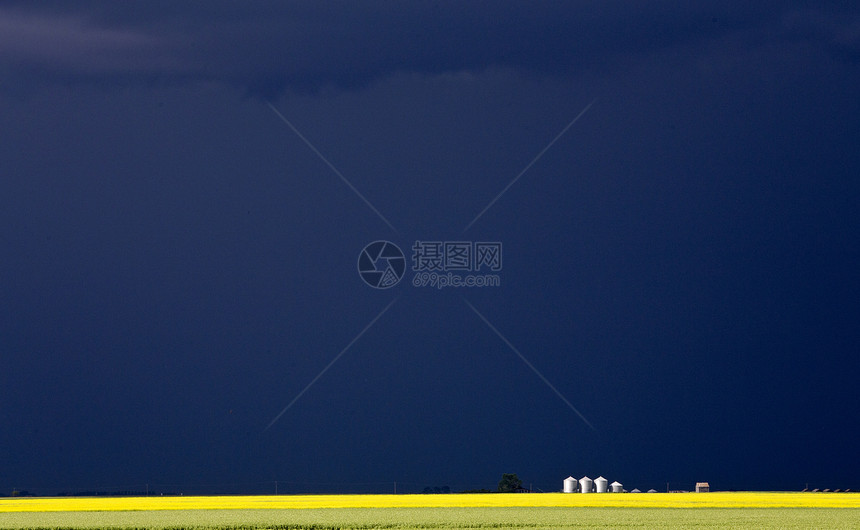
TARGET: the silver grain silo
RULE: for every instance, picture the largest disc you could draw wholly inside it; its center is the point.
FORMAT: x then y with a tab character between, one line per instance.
616	487
586	485
570	484
600	484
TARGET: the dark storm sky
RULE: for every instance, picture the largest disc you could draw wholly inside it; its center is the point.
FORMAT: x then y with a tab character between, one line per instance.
177	265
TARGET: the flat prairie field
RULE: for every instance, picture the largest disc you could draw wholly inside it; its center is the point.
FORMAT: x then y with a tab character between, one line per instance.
536	510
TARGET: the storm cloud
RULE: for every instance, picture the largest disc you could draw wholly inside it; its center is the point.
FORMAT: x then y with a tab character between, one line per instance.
266	48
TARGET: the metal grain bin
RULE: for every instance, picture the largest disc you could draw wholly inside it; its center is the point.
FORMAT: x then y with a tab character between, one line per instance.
586	485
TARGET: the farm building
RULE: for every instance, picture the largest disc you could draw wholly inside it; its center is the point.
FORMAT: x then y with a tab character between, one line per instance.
702	487
586	485
570	484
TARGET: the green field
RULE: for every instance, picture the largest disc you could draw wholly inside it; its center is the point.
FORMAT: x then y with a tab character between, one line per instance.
536	517
544	510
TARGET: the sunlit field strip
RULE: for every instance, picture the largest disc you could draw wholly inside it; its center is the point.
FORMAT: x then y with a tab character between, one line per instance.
629	500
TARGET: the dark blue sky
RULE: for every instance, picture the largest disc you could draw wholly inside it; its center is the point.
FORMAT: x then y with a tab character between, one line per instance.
177	265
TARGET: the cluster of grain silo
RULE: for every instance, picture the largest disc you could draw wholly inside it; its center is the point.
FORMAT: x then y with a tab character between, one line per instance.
588	485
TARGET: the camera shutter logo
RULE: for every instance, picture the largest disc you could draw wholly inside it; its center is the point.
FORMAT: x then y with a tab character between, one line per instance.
381	264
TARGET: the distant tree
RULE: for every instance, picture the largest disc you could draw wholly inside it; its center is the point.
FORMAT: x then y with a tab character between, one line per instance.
482	490
509	483
22	493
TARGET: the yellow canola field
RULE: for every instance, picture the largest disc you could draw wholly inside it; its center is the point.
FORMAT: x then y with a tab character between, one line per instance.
619	500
